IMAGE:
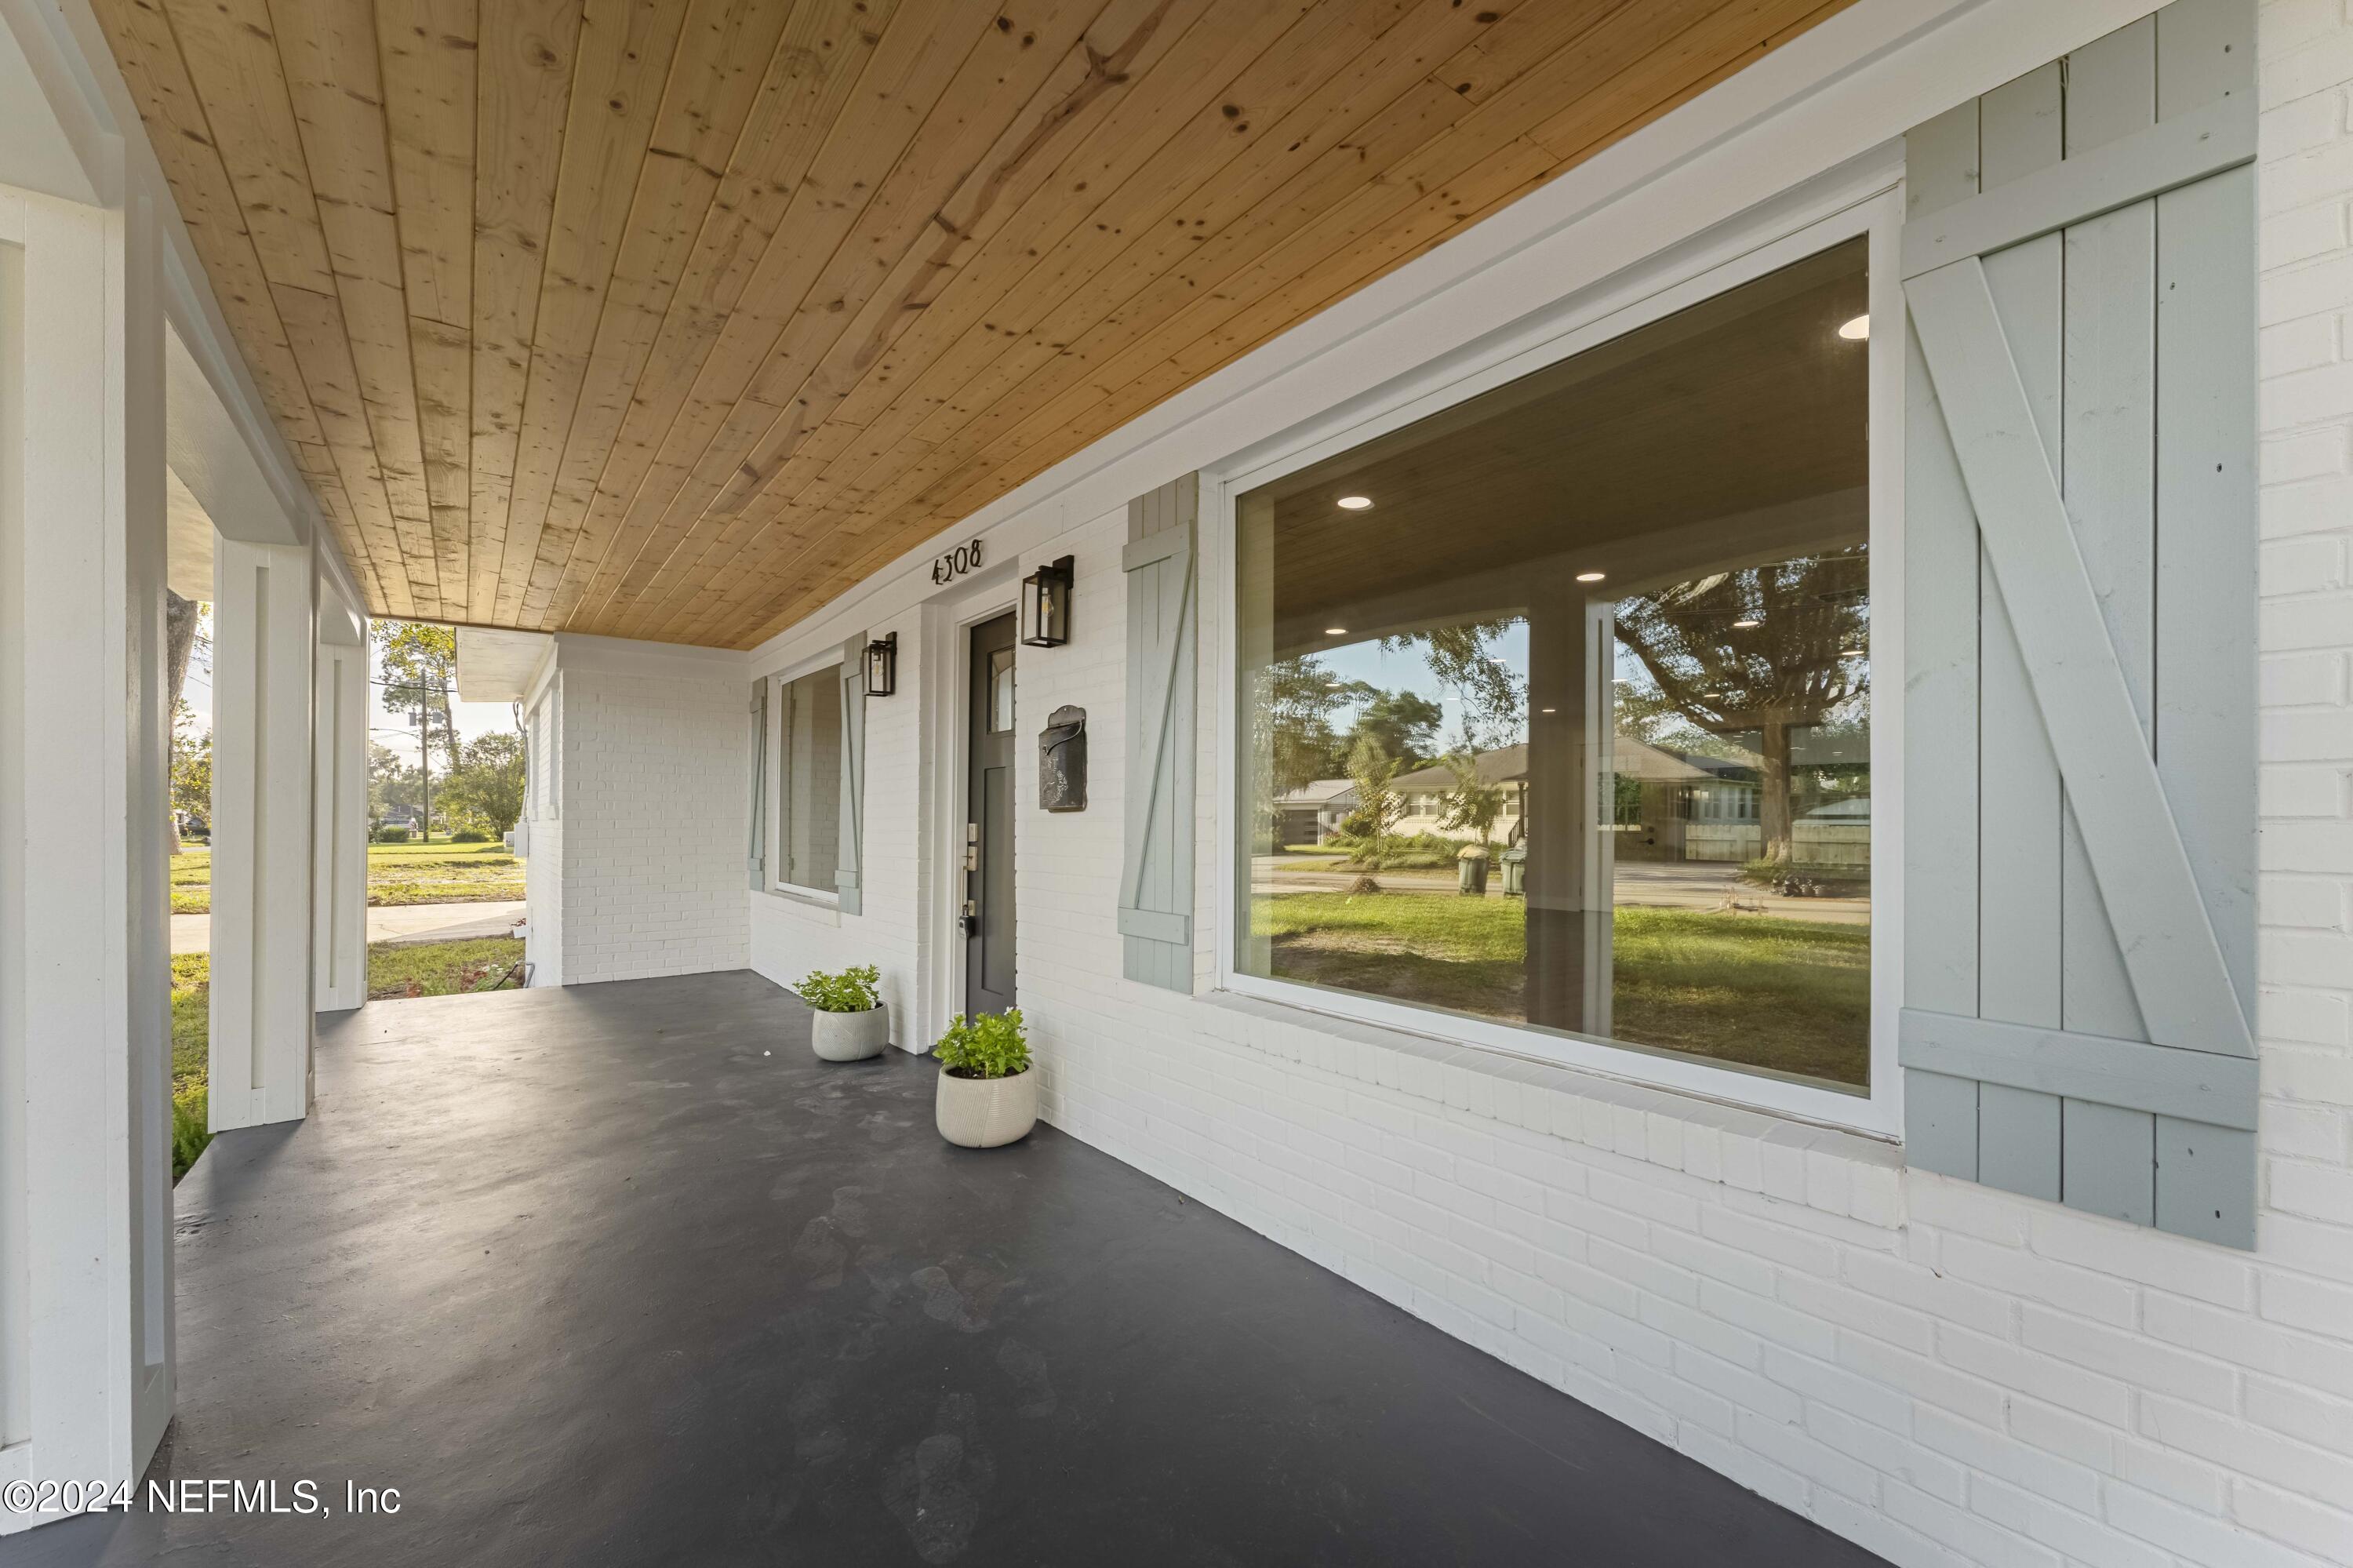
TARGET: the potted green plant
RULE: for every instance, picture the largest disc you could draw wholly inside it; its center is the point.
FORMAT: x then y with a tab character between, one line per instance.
987	1094
850	1024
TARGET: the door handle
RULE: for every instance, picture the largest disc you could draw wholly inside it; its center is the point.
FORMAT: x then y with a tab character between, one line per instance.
970	918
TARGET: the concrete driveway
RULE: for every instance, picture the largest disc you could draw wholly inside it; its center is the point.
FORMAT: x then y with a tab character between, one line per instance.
391	923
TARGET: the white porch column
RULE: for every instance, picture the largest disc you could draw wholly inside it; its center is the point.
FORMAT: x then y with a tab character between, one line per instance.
86	1354
339	811
264	634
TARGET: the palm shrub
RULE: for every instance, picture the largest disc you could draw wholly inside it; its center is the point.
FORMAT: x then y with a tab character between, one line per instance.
987	1046
1472	802
851	990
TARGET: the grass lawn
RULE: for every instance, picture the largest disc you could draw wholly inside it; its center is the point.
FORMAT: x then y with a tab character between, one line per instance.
1790	995
395	969
437	872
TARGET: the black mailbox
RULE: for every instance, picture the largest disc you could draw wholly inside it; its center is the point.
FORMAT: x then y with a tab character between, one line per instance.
1062	761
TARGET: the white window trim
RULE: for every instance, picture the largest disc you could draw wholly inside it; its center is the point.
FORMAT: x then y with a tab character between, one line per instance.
772	793
1838	206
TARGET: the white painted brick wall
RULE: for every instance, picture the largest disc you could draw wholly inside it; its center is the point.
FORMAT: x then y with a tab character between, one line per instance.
544	902
1943	1373
653	775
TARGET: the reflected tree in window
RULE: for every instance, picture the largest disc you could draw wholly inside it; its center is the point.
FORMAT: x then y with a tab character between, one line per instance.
1373	771
1764	651
1291	711
1495	697
1403	723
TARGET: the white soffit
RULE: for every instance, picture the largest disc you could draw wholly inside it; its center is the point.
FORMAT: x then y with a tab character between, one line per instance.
495	666
35	150
188	551
203	446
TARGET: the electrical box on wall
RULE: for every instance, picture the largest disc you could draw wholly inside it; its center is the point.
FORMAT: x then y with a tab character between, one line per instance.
1062	761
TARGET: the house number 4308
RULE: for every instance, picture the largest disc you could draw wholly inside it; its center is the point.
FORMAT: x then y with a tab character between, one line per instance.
956	563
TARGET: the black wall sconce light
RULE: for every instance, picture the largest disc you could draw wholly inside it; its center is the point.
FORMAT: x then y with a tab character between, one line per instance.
1046	605
882	666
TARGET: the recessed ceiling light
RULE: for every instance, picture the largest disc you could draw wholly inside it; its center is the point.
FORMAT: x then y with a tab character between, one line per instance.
1855	654
1334	685
1590	576
1552	710
1335	632
1856	330
1355	503
1746	625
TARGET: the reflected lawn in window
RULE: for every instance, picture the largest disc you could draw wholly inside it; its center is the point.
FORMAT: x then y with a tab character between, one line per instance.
1784	995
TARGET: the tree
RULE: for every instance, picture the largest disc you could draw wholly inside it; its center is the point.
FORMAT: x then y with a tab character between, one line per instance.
1402	722
488	785
184	638
392	781
1763	649
418	665
191	770
1495	697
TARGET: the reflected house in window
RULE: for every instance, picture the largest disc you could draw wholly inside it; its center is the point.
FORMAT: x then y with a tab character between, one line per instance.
1641	573
1311	814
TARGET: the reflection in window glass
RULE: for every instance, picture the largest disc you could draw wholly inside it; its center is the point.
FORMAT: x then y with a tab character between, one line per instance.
1558	702
1000	690
808	780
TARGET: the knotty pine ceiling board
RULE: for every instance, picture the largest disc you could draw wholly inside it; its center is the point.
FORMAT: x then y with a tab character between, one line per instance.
674	318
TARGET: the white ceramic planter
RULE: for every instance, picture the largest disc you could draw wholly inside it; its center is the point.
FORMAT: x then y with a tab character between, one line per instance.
851	1036
982	1113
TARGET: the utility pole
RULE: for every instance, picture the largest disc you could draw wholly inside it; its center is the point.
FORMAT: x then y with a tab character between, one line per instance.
423	719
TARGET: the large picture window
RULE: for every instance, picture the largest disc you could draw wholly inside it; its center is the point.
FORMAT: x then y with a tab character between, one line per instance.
1556	705
808	780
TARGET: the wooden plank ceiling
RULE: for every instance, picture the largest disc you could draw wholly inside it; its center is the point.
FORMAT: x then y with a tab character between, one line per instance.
674	318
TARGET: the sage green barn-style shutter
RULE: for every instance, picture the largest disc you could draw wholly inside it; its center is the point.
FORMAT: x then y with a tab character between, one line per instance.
848	877
2079	557
756	857
1156	885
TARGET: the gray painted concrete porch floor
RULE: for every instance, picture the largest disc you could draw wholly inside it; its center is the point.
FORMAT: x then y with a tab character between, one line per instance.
592	1277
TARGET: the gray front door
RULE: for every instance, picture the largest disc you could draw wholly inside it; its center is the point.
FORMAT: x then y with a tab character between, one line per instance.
989	822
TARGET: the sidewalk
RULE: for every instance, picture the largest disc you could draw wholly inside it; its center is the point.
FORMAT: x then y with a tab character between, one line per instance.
392	923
